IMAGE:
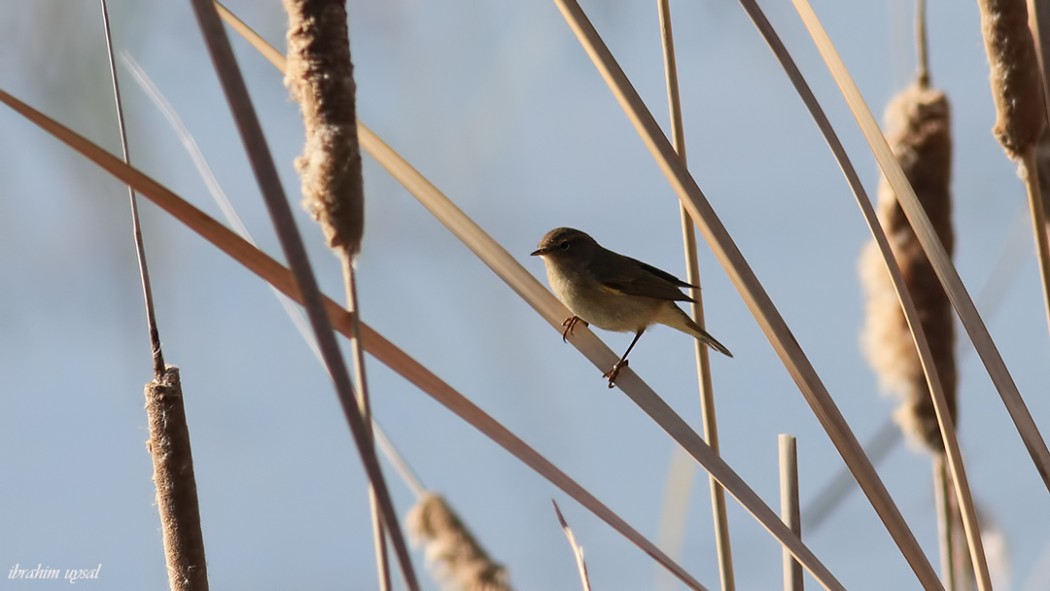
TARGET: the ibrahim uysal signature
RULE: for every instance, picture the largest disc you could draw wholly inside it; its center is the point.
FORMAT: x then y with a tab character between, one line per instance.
41	572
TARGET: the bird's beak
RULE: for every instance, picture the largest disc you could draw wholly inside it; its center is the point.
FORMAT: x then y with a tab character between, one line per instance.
538	252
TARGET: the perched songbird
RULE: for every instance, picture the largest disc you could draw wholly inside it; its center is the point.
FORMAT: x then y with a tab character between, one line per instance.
614	292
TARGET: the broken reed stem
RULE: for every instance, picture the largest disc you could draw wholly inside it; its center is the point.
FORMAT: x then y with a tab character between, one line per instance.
136	226
577	550
319	75
451	549
789	506
703	365
291	242
180	519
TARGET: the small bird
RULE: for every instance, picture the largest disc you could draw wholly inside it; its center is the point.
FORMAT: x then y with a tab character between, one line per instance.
614	292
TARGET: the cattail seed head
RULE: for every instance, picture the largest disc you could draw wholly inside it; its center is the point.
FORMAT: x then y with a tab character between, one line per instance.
1015	79
452	550
319	75
918	130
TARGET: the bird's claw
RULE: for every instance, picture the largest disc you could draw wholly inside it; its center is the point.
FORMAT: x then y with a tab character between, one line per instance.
570	327
615	371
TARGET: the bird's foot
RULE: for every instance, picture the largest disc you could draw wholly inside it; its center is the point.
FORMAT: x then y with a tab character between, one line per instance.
615	371
570	327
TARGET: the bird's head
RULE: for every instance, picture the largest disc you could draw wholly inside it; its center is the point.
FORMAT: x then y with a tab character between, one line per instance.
564	244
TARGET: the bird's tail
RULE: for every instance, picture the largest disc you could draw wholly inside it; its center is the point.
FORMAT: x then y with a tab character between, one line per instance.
676	318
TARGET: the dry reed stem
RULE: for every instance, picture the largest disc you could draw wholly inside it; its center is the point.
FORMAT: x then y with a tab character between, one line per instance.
918	130
1029	171
945	271
945	522
500	261
577	550
708	419
291	242
180	518
789	506
136	226
361	385
750	289
451	549
319	75
281	278
1014	77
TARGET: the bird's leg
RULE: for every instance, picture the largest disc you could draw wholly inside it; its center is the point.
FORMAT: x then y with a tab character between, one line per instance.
570	326
612	373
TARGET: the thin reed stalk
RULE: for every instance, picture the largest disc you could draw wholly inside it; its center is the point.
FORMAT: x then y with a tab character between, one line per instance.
291	242
320	77
789	506
136	225
945	522
750	289
282	278
708	419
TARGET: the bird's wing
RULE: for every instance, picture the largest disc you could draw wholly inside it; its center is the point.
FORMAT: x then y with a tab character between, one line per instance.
633	277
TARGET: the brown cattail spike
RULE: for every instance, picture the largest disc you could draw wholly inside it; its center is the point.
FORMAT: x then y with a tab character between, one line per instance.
919	133
450	547
180	519
1016	84
319	76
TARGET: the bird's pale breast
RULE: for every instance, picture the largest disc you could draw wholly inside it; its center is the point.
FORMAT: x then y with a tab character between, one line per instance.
585	297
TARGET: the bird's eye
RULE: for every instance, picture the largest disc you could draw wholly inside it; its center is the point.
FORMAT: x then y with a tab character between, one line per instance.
564	245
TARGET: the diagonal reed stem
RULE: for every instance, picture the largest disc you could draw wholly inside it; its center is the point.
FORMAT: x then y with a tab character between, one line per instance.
751	290
941	409
292	244
924	231
692	265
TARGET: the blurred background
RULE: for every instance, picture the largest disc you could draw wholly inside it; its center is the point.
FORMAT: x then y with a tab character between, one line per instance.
498	105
